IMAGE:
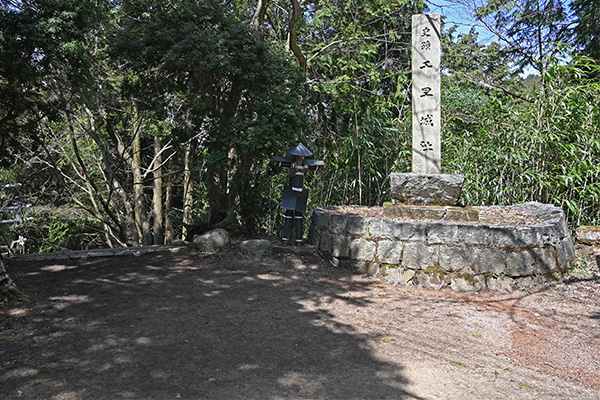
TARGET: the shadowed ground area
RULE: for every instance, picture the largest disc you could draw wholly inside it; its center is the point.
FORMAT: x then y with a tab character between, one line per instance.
231	325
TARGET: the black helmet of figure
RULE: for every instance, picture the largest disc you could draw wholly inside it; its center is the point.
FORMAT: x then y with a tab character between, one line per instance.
300	150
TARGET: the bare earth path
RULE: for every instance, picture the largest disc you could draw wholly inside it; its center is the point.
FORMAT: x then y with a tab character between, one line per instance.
234	326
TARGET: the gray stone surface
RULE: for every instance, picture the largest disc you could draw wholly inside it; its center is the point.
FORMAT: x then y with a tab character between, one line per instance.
431	213
324	243
462	255
454	258
501	284
399	276
409	231
527	237
258	247
426	94
358	226
367	267
566	254
550	235
340	246
438	233
362	249
503	236
211	241
431	280
417	255
320	219
381	228
540	210
338	223
489	261
426	189
588	234
390	252
476	234
545	260
467	283
519	263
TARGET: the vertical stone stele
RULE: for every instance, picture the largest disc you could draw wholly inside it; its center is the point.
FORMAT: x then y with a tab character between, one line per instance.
426	185
426	119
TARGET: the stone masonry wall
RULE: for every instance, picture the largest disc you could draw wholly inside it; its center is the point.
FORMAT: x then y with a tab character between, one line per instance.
465	257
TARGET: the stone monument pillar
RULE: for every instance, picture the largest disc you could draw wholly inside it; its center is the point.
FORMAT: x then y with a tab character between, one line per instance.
426	119
426	185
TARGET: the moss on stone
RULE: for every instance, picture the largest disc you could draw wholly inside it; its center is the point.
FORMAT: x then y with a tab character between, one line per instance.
467	277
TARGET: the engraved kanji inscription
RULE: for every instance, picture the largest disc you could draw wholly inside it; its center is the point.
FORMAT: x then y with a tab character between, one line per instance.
427	120
426	146
426	64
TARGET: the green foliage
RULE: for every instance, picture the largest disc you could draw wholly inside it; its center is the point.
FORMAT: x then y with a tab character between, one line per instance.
81	80
57	230
42	44
586	32
357	97
545	150
532	30
222	83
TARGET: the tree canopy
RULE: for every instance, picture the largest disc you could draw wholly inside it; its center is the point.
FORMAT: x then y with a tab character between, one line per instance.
149	120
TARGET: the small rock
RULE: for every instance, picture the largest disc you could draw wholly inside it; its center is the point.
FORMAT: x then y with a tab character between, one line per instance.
258	247
212	240
467	283
588	234
400	276
502	284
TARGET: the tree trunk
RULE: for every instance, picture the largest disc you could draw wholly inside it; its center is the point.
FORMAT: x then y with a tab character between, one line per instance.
218	198
157	203
168	208
188	187
116	185
240	186
258	17
8	289
141	212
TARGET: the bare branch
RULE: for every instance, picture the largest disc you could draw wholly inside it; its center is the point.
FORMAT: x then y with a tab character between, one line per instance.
258	18
292	39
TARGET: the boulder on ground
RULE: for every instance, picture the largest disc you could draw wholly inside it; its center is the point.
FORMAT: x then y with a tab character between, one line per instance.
258	247
211	241
588	234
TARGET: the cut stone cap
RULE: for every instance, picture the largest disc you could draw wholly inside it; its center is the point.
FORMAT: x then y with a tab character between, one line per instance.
299	150
426	189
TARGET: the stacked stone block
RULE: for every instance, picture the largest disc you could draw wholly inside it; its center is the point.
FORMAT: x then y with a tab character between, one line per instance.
466	257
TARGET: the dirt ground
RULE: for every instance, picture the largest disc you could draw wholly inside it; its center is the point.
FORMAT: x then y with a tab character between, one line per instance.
230	325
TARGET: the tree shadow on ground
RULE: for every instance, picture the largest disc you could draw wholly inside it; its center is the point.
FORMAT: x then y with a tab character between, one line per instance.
188	326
